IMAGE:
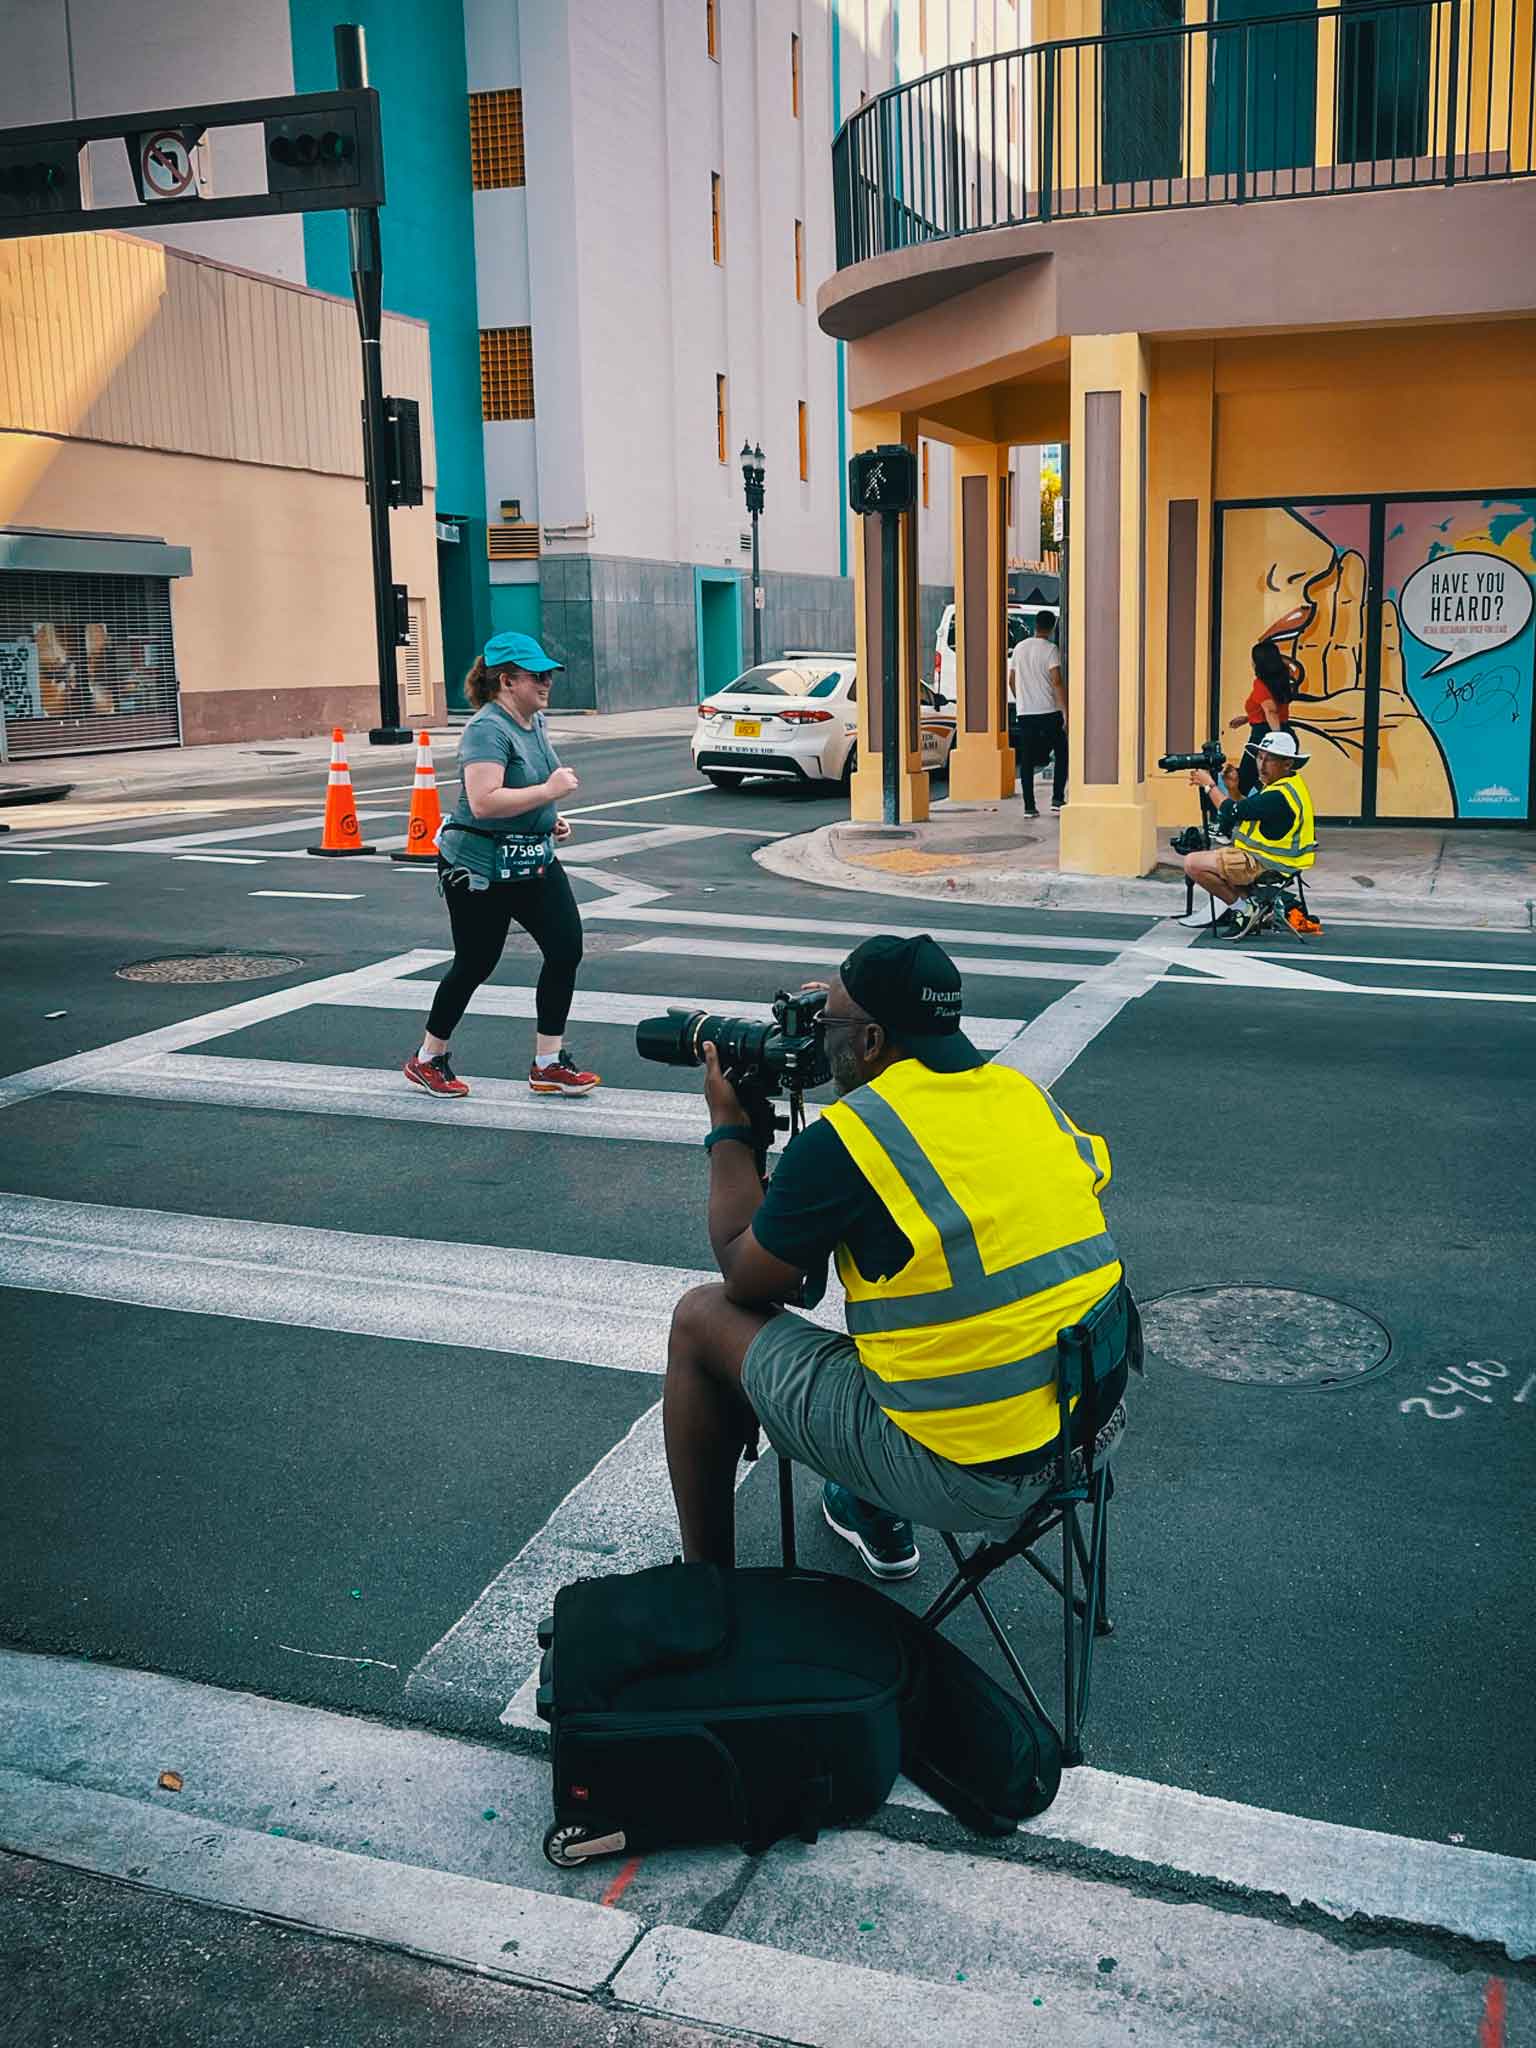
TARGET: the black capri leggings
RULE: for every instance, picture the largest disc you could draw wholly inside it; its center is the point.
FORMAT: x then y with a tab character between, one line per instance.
546	909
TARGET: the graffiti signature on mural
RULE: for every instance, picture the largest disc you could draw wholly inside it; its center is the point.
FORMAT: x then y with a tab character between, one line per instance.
1483	698
1462	1383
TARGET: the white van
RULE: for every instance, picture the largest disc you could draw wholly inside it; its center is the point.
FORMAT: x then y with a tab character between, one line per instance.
1021	623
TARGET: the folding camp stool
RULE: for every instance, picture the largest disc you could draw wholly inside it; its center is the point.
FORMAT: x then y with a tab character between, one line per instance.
1269	891
1086	1354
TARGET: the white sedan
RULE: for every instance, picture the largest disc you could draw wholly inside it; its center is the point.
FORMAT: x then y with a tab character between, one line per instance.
795	719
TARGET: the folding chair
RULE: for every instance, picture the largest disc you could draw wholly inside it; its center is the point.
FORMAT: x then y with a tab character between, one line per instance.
1086	1354
1270	892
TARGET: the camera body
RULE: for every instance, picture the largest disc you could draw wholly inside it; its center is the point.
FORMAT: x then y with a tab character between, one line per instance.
788	1055
1210	757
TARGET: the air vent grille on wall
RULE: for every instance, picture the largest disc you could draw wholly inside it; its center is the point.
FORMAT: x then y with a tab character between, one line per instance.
513	542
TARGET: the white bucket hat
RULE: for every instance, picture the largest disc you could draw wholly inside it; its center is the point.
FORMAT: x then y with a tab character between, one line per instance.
1282	743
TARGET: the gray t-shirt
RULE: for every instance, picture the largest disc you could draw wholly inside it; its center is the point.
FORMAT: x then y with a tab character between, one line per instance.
525	758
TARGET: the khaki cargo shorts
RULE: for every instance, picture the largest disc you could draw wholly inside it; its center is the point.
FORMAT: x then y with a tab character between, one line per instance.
1235	864
810	1395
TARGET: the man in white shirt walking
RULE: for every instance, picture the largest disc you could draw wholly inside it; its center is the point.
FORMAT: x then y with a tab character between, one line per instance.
1039	701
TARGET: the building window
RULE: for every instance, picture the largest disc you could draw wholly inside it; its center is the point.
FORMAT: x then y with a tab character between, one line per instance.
800	261
712	28
805	443
925	475
716	218
496	139
722	424
794	76
506	373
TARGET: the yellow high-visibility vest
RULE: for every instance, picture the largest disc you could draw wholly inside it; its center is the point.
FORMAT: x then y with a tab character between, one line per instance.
1294	849
997	1191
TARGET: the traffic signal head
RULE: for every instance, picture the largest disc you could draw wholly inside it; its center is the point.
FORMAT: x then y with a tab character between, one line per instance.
37	178
314	151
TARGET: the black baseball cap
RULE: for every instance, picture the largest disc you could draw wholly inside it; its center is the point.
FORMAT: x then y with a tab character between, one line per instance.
912	988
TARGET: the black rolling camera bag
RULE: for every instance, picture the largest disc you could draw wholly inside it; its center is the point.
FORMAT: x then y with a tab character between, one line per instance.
688	1704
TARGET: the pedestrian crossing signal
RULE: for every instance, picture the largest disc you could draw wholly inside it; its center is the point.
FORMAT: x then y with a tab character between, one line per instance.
883	480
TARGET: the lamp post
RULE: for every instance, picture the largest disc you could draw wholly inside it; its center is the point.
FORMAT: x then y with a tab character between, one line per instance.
753	470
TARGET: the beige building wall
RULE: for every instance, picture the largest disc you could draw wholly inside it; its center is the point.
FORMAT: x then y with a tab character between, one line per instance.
148	392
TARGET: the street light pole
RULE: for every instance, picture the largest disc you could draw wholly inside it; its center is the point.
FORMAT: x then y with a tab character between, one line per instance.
753	470
368	297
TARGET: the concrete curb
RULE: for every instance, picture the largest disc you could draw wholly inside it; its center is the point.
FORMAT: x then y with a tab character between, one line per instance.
812	857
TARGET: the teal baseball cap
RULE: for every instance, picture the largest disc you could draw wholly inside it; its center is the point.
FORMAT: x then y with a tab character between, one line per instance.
517	650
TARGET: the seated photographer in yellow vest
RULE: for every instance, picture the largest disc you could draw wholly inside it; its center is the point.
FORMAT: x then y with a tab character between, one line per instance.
961	1207
1270	828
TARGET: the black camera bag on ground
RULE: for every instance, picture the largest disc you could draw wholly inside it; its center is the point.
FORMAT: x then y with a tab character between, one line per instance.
689	1705
980	1750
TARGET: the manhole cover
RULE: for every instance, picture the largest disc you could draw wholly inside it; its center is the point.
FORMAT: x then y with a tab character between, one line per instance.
184	967
1267	1337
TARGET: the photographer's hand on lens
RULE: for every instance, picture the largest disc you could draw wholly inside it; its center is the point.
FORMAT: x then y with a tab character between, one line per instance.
725	1105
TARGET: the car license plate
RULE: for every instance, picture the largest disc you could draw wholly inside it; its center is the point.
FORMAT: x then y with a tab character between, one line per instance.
749	728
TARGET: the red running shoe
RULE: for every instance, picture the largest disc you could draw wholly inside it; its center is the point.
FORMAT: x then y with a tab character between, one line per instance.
436	1076
565	1077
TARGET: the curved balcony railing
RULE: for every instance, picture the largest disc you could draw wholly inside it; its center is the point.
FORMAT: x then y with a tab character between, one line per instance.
1360	97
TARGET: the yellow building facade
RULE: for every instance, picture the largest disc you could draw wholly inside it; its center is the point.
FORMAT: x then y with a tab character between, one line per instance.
1272	284
184	543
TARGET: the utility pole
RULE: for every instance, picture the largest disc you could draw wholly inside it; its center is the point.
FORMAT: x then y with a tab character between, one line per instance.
368	297
882	484
753	471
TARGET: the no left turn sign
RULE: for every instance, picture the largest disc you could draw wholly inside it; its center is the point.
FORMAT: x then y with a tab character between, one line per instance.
166	165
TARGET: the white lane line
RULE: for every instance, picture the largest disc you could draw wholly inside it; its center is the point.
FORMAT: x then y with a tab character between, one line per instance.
223	860
1049	1043
693	831
472	1921
26	852
608	1312
726	948
107	1059
634	842
650	1115
313	895
235	829
1393	960
599	1006
51	882
620	803
719	920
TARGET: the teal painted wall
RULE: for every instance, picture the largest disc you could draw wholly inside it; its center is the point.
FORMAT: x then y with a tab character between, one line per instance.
516	608
416	63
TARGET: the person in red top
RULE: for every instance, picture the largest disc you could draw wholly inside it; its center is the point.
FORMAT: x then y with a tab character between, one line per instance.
1266	709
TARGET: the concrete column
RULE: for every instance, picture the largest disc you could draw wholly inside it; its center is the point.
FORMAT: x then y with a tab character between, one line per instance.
1109	825
1180	547
981	767
871	429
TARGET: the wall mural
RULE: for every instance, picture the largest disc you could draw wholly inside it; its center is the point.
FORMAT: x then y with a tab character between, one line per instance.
1452	723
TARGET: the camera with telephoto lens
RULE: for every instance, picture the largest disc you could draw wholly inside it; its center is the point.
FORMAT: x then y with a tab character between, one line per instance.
1210	757
787	1055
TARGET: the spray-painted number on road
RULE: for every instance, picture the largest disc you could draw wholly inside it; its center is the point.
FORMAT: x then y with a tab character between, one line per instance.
1464	1383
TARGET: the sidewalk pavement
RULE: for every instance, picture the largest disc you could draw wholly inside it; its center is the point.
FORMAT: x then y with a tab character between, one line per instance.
989	853
140	773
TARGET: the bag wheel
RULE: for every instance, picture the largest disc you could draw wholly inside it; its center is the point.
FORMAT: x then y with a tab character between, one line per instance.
566	1844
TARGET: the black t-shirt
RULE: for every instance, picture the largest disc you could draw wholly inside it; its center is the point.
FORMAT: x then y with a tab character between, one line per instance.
818	1199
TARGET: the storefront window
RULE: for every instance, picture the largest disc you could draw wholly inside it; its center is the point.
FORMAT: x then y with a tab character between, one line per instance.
86	662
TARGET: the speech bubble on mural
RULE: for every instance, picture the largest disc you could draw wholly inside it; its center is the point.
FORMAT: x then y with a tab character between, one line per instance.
1465	603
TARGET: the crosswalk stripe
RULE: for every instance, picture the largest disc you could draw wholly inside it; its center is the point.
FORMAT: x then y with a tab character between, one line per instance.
727	948
599	1006
653	1115
234	829
657	836
606	1312
716	921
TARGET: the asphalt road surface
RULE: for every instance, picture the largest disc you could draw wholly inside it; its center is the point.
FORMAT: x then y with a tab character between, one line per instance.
320	1389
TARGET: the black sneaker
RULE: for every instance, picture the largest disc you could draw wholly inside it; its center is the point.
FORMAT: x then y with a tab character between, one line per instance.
883	1541
1229	919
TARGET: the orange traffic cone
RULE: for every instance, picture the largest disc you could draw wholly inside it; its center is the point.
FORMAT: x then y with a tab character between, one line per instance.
340	834
426	813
